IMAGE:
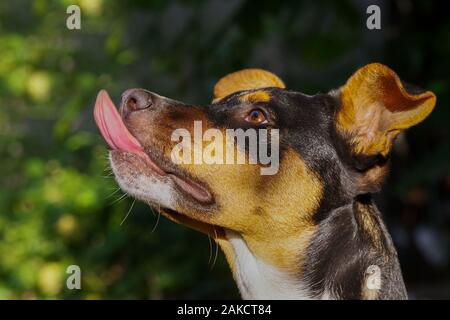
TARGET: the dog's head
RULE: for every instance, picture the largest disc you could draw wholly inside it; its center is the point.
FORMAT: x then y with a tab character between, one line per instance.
328	147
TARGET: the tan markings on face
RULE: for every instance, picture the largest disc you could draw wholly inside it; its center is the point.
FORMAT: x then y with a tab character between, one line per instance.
255	97
272	213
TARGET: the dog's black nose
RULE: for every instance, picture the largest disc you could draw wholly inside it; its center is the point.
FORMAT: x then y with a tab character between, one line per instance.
135	100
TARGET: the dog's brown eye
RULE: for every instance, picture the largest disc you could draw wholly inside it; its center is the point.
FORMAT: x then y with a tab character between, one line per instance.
256	116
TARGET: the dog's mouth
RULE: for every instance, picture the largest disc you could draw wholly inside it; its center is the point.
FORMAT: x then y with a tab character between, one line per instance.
119	138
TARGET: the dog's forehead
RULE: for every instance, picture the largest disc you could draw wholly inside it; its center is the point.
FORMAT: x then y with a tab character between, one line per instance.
275	97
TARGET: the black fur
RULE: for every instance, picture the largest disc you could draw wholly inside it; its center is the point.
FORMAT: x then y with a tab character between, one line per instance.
341	249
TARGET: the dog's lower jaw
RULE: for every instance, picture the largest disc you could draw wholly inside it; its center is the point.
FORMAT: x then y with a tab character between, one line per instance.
140	182
259	280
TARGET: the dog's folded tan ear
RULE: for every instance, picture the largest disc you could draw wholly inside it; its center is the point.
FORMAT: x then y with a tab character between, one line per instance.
245	79
376	107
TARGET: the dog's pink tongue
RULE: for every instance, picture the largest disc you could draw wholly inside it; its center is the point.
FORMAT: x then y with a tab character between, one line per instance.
112	127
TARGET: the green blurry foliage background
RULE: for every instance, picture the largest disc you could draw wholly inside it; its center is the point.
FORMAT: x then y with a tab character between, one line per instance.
59	205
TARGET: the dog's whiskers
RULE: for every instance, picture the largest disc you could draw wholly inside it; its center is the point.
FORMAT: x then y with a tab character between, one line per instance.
113	193
152	210
157	219
120	198
217	248
210	249
128	213
109	175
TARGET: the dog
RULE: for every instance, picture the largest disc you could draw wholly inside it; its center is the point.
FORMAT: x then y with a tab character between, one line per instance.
310	231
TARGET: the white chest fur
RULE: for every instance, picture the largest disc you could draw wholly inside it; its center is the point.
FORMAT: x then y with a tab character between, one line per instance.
259	280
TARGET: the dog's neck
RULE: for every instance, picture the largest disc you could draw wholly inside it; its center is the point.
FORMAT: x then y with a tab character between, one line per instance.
257	279
337	262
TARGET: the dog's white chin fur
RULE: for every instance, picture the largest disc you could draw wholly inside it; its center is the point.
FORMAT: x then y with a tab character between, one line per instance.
150	188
